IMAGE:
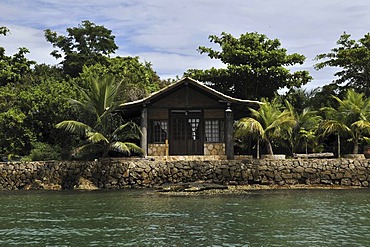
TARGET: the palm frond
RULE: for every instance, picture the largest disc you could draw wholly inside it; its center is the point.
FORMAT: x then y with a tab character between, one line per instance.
87	148
125	147
333	126
96	137
248	126
361	125
129	130
74	127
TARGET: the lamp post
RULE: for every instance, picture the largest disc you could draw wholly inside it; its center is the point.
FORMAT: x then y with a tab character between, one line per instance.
144	130
229	133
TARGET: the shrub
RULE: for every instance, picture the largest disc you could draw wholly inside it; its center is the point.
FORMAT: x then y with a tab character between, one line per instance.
43	151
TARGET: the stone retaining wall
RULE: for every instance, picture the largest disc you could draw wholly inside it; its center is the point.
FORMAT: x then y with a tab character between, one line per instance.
136	173
214	148
156	149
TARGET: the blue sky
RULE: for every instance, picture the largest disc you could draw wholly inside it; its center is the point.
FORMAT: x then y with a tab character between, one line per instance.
168	32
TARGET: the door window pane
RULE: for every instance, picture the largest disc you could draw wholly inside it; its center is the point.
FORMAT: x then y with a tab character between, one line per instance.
194	124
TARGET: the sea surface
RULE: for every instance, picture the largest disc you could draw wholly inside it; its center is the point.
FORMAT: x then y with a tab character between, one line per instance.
146	218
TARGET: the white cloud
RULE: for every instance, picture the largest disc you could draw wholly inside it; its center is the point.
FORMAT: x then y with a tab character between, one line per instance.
167	33
170	65
31	38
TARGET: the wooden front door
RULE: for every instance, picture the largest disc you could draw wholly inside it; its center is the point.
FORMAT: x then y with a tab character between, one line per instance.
186	132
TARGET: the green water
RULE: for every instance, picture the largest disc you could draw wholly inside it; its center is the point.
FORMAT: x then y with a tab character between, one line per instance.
145	218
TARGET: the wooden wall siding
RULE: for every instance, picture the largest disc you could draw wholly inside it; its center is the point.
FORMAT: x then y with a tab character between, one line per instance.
187	97
157	114
214	113
162	114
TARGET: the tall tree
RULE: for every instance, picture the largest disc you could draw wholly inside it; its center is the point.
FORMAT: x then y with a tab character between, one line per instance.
29	111
138	79
14	68
256	66
102	132
353	57
86	44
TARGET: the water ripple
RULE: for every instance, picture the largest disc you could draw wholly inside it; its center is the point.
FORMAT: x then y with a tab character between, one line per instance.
140	218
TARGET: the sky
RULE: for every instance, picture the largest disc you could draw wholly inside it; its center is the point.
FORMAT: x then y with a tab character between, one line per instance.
167	33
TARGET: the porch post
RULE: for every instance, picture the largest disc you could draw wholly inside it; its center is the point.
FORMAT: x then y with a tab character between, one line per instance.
144	130
229	134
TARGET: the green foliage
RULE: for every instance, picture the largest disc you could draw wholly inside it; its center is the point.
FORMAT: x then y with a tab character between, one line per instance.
268	123
28	113
256	66
303	134
353	57
319	97
43	151
86	44
299	98
14	135
14	68
33	96
46	105
138	79
351	116
101	130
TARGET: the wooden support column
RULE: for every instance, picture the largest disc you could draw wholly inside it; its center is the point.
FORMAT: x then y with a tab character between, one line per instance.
144	130
229	133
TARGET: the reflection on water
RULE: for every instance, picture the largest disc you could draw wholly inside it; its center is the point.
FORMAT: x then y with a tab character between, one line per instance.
144	218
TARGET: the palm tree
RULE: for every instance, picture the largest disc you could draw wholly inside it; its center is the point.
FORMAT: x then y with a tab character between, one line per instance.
250	127
352	115
334	127
102	132
268	124
306	124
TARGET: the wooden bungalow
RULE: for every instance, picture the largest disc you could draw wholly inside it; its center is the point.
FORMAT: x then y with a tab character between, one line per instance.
188	118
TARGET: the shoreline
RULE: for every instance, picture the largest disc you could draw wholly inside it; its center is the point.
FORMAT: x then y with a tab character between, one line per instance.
247	189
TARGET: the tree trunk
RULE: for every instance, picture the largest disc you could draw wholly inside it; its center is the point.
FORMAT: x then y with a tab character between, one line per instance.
269	148
258	148
338	136
306	147
355	146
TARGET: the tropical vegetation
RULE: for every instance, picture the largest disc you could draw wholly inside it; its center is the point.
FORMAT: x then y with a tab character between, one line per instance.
34	98
256	66
68	110
351	117
268	124
101	131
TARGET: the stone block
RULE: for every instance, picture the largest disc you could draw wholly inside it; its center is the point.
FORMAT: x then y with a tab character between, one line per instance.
345	182
286	175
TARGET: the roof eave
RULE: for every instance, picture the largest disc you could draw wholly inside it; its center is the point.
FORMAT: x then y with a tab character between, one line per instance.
222	97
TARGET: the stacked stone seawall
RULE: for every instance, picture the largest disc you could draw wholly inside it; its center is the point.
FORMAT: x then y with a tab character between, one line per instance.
141	173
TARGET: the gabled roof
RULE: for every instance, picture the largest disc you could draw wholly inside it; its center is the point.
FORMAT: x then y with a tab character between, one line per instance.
187	80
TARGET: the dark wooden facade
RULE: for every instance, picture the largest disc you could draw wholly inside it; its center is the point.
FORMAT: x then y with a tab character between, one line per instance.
187	118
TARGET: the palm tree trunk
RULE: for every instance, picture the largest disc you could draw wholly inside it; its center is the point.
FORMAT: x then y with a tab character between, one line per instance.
355	146
258	148
269	148
306	147
338	136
